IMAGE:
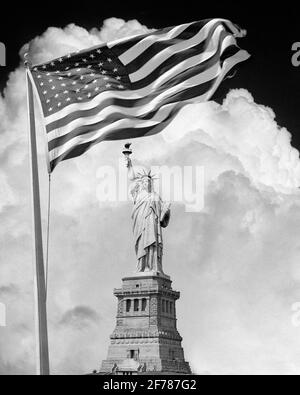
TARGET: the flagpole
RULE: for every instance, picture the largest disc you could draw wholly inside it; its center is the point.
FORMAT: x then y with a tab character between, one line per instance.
39	275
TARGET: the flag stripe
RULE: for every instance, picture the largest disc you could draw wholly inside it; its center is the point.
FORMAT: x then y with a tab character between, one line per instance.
160	49
163	55
190	58
139	49
121	45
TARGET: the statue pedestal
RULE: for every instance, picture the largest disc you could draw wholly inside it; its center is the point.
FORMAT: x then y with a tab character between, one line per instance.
149	273
146	329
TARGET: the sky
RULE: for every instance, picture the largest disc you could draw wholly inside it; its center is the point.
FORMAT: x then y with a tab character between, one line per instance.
237	266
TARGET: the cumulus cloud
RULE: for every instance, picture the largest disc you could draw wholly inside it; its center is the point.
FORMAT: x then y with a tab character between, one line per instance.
248	133
235	262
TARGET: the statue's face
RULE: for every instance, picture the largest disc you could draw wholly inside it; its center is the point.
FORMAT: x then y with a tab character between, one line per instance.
147	184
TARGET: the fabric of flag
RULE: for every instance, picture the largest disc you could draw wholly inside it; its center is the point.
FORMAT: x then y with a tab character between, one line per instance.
132	87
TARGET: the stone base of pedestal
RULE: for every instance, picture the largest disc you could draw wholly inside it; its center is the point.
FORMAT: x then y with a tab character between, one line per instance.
146	338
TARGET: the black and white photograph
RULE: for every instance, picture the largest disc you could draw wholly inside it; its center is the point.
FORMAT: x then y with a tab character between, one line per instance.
149	192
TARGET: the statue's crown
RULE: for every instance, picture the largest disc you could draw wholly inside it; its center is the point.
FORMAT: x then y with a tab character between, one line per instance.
144	174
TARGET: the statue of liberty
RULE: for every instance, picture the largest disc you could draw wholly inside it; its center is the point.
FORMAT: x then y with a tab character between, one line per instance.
150	214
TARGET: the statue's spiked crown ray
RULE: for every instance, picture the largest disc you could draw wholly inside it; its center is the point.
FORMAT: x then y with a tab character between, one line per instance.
148	174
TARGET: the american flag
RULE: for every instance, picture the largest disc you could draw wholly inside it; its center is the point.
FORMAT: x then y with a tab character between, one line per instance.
132	87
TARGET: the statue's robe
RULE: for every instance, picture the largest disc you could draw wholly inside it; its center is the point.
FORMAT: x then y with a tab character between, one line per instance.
148	218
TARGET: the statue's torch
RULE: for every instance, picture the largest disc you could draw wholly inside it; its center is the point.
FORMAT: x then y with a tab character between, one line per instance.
127	152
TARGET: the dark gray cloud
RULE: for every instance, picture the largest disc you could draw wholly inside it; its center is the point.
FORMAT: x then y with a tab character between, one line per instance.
79	317
8	290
